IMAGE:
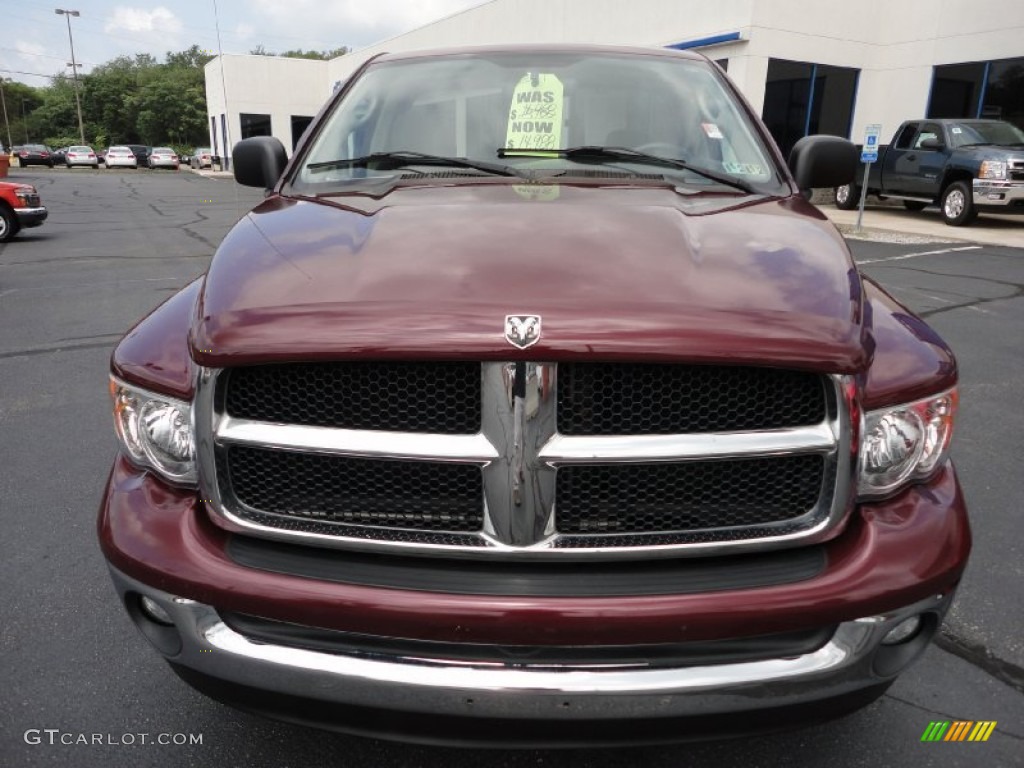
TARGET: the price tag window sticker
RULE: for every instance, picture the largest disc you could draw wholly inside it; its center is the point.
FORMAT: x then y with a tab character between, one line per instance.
535	115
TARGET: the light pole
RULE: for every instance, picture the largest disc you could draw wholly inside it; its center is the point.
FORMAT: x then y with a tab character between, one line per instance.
24	120
74	68
3	101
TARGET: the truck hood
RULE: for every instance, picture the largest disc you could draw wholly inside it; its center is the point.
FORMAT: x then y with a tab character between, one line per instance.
615	272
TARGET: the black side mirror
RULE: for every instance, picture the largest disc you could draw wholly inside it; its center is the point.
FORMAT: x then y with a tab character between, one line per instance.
931	145
259	161
823	161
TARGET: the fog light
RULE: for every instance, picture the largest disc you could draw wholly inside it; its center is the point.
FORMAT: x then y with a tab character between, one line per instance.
903	631
156	612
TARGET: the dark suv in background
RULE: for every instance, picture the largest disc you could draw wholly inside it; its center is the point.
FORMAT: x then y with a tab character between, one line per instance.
141	153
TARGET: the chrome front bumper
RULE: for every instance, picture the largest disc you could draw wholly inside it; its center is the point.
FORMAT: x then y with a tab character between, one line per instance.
1001	193
853	660
31	217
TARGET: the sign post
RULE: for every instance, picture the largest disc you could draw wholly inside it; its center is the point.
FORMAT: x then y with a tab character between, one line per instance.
868	155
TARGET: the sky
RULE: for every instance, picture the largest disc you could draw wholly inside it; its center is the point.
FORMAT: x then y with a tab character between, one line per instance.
34	44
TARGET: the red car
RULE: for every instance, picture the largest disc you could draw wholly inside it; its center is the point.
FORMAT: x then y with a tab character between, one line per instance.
552	413
19	207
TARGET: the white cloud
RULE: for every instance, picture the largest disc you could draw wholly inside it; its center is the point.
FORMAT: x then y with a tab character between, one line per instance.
355	23
159	20
27	49
244	31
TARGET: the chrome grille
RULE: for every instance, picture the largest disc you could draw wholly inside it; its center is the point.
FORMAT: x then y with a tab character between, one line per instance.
690	496
1015	170
409	495
661	399
545	473
389	396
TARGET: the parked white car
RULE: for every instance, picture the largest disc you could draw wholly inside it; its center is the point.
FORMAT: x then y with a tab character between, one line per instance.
121	157
81	155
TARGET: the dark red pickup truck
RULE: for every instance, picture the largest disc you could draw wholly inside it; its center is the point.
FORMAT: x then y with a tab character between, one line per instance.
536	404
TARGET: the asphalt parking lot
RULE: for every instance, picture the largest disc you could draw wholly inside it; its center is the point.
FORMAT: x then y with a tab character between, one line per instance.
119	242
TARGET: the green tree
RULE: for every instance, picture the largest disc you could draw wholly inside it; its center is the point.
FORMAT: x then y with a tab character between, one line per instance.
299	53
325	55
171	109
21	100
56	114
193	58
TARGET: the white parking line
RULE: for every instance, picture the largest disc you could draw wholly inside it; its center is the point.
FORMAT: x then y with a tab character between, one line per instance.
921	253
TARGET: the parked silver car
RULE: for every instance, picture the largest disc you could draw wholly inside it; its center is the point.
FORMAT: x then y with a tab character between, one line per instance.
163	157
81	155
202	157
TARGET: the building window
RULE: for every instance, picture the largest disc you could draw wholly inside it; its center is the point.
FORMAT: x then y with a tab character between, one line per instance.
956	90
299	125
255	125
835	91
225	158
989	89
802	99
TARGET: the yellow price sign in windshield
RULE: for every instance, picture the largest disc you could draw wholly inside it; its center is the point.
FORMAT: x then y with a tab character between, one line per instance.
535	116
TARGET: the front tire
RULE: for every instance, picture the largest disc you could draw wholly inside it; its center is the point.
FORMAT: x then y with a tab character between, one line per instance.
8	224
957	204
847	197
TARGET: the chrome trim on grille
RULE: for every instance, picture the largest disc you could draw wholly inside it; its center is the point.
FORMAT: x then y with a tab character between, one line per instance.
473	449
519	452
562	449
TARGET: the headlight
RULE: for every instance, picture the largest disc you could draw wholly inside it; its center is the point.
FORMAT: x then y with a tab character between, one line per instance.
992	169
155	432
905	443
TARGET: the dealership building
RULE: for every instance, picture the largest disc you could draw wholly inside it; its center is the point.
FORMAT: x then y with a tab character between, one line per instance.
827	66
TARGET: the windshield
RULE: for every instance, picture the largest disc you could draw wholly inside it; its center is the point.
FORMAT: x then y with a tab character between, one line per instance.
518	110
999	133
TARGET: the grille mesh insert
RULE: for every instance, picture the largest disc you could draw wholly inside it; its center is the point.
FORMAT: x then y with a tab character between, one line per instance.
390	396
689	496
661	399
421	496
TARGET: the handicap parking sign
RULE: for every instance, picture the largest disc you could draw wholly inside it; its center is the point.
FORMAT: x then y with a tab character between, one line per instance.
869	153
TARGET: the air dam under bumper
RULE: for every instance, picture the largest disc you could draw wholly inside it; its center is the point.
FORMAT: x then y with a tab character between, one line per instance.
225	664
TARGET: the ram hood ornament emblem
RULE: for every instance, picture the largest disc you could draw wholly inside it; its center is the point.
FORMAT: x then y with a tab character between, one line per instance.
522	330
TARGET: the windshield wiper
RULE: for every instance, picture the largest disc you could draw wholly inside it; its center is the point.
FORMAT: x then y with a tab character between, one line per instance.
390	161
599	154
